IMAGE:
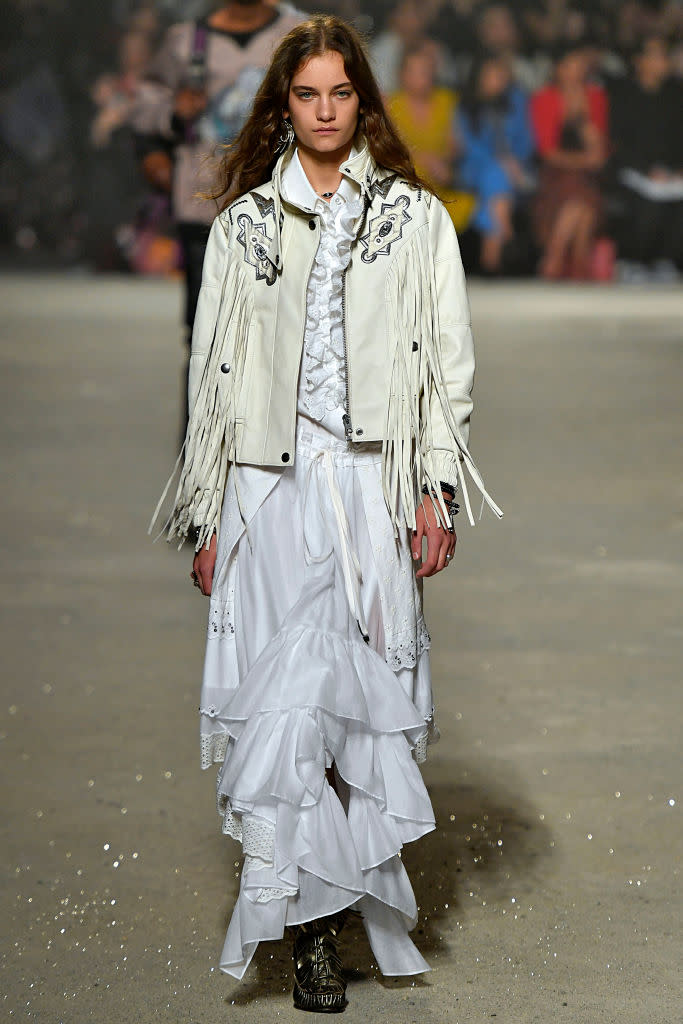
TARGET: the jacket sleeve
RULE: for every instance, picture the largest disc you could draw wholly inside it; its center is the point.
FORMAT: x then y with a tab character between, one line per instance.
203	337
456	347
208	303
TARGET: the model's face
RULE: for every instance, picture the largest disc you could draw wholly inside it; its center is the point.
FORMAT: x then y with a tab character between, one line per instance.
323	105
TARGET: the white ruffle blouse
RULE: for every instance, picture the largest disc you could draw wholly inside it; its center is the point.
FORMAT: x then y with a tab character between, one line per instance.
322	380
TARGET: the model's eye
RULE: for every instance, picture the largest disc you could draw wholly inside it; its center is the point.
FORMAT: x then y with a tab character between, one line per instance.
344	93
305	95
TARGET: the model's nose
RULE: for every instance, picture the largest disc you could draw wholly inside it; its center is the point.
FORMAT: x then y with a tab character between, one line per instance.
325	110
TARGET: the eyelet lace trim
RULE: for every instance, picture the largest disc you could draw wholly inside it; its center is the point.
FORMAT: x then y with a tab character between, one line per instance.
266	895
257	837
403	649
432	735
221	625
212	748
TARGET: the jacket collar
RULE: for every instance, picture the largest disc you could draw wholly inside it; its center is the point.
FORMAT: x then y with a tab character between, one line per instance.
360	168
297	190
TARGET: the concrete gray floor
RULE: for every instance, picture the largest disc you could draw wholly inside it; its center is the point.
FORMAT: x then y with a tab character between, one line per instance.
551	888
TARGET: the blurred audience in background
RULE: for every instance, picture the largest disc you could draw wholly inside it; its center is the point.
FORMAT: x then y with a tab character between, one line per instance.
570	124
39	165
497	142
192	101
128	224
424	115
646	134
195	96
550	127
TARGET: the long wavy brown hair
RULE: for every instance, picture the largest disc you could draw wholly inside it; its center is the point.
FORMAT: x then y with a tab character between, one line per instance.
248	162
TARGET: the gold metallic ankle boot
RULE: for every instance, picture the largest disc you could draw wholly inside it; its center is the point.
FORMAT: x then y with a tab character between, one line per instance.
318	982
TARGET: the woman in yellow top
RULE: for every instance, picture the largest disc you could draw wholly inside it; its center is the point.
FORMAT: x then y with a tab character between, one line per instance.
423	113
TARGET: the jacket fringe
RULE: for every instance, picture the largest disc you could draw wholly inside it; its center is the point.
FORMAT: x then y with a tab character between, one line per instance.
408	452
210	441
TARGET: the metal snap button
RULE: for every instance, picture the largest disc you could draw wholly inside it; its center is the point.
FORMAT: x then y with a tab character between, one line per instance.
415	346
311	225
225	368
285	456
360	430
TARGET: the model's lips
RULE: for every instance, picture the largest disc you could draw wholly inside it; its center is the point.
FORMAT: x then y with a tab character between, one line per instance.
325	131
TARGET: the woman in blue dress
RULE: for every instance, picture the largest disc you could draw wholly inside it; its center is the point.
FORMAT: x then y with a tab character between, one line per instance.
492	124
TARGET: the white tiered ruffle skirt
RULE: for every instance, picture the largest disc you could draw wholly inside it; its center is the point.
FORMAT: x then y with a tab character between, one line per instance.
291	686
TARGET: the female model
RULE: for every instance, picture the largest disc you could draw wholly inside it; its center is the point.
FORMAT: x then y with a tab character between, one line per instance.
330	396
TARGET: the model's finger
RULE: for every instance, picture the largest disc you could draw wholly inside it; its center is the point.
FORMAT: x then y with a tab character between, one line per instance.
430	562
207	580
441	562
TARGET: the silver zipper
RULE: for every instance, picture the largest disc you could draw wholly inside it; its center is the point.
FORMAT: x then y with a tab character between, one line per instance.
346	418
303	336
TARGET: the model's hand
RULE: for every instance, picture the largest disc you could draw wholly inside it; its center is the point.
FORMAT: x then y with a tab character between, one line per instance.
440	542
190	103
203	566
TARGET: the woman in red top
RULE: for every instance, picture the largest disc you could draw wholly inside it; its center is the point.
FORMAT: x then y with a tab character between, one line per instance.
570	123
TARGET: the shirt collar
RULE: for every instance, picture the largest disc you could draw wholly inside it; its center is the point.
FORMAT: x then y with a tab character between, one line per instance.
297	189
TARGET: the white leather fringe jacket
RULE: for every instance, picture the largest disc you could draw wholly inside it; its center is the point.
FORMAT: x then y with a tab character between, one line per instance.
408	340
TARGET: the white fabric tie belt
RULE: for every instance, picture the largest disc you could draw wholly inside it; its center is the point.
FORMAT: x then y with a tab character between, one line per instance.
353	576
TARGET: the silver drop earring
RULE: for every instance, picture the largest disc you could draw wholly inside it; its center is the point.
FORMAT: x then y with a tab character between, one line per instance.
286	136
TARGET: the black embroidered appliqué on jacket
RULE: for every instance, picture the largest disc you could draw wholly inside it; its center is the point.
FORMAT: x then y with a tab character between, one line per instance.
256	242
385	229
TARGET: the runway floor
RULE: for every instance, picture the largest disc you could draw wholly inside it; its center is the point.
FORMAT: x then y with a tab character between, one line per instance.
551	889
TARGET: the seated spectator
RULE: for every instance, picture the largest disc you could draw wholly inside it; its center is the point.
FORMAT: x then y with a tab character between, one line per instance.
114	94
497	145
570	124
647	162
498	33
424	116
405	27
115	195
409	24
453	25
